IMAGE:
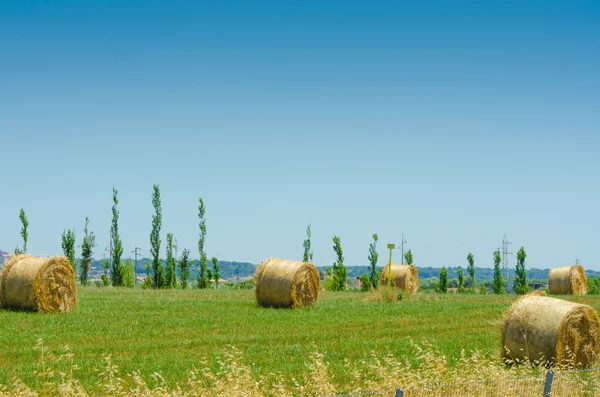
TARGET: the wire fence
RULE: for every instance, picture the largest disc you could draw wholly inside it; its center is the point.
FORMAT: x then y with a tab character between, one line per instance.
583	383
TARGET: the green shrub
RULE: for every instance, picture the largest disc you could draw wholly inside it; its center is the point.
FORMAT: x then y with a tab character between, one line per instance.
365	283
400	295
593	284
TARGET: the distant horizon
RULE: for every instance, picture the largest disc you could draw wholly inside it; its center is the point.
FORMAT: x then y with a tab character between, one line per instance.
379	265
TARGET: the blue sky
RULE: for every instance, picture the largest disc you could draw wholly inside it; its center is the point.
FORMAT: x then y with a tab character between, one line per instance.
451	122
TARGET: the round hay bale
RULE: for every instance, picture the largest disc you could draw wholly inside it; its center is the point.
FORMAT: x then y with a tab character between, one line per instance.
405	277
569	280
551	331
286	283
45	285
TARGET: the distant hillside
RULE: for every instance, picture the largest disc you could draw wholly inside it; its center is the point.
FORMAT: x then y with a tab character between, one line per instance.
481	274
232	270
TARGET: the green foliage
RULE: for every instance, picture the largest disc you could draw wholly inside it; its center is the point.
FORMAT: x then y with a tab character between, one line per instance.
471	268
400	295
482	289
159	280
87	250
24	232
128	272
171	264
184	268
365	283
340	272
209	277
68	246
203	277
497	283
308	254
104	277
593	284
204	274
116	273
428	283
443	283
148	281
461	281
374	274
521	286
216	274
408	257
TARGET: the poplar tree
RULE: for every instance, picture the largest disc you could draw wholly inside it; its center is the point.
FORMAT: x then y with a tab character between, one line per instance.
461	280
116	274
374	274
171	263
497	283
408	257
24	233
308	255
87	250
340	272
443	283
158	270
68	246
184	271
204	276
521	286
471	268
216	273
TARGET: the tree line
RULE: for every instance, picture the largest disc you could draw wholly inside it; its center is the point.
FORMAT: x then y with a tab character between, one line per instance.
122	274
119	273
336	277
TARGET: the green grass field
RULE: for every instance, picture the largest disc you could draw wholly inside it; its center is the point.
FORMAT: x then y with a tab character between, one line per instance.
170	332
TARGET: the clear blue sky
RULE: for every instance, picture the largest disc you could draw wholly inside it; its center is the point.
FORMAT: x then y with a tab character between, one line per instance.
452	122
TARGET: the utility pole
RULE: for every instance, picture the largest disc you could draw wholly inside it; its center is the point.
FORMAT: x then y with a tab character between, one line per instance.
135	251
402	245
577	262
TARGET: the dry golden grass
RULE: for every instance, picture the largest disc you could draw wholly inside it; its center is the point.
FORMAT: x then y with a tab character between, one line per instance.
429	375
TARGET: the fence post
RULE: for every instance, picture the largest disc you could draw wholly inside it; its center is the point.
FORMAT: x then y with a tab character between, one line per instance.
399	393
548	385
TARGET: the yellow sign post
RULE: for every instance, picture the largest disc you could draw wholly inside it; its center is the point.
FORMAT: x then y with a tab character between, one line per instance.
390	247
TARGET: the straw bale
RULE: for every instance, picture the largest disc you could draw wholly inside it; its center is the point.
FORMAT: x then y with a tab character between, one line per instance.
39	284
286	283
567	280
550	331
404	277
